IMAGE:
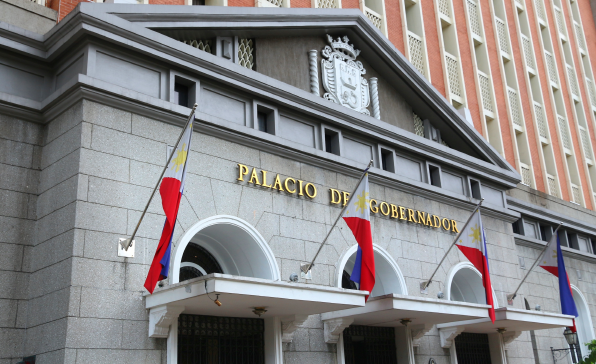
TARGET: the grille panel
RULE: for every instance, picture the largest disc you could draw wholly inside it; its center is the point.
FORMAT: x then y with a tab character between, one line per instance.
370	345
472	348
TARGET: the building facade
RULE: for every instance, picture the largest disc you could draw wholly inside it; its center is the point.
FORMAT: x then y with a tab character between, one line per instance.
288	115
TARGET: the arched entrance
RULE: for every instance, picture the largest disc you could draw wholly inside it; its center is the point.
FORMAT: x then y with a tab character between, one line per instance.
223	244
583	322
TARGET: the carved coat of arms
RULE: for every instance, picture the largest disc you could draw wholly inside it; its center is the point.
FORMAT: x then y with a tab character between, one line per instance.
342	75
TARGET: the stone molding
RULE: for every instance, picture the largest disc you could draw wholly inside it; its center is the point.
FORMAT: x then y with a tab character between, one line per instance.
448	335
289	325
418	331
160	319
334	327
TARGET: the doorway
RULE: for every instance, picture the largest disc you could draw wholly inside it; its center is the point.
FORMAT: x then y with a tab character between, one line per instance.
472	348
369	345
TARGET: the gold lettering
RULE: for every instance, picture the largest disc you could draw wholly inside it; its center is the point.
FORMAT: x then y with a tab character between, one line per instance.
437	221
276	184
254	177
346	197
286	184
421	217
314	190
394	213
264	173
373	209
402	213
242	171
300	188
411	217
454	226
429	221
334	193
383	209
448	224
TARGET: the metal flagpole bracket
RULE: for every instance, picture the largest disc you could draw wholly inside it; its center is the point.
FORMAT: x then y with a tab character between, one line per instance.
122	251
306	270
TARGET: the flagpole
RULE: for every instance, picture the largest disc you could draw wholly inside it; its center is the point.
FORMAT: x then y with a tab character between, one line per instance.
305	268
128	242
424	285
511	297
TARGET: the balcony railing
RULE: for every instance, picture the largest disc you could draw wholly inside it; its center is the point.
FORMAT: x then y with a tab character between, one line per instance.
444	8
573	81
564	133
502	35
553	190
474	18
374	17
526	175
516	115
416	46
418	126
540	10
591	92
327	4
581	41
577	195
560	21
453	75
540	120
528	54
586	143
485	91
552	70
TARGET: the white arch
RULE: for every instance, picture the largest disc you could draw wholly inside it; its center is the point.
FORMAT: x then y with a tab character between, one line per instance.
389	278
475	289
236	245
583	323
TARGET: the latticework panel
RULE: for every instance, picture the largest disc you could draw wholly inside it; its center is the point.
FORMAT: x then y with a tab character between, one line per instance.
444	8
580	36
592	92
474	17
550	65
559	20
528	55
246	51
374	18
564	132
586	143
327	4
542	130
552	186
418	126
573	81
487	100
502	34
540	10
453	74
577	195
204	45
416	51
526	175
514	105
276	2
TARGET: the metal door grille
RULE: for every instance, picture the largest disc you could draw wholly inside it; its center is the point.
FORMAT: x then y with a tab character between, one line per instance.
472	348
369	345
220	340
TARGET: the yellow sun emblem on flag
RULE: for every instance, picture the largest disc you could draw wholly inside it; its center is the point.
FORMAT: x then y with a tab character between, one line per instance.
362	203
180	158
475	235
554	253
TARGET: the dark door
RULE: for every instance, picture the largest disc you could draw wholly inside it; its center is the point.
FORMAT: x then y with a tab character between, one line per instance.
472	348
369	345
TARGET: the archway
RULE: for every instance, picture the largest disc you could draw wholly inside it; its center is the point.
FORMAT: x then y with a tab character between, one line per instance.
234	245
464	284
388	276
583	322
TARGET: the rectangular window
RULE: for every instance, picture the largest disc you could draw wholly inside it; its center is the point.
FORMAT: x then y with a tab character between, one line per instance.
387	163
331	141
198	2
475	189
563	237
181	94
265	118
262	120
516	227
546	232
434	175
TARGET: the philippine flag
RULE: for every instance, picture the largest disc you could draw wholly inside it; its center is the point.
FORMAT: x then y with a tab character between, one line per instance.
472	243
552	261
170	190
357	217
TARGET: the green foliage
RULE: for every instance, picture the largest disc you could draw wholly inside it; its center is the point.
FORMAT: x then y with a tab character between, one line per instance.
590	359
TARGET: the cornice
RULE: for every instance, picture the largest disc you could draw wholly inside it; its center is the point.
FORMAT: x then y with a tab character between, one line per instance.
567	252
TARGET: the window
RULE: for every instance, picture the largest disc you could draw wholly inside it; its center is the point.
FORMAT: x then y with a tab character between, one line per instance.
593	240
563	237
472	348
265	118
516	227
530	229
546	232
475	189
262	120
331	141
198	2
434	175
183	90
369	344
196	262
387	161
181	94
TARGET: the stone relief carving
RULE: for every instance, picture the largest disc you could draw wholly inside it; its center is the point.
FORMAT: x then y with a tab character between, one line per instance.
342	75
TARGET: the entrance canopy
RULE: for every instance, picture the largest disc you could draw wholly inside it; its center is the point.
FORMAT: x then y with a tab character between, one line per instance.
389	310
513	319
240	295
